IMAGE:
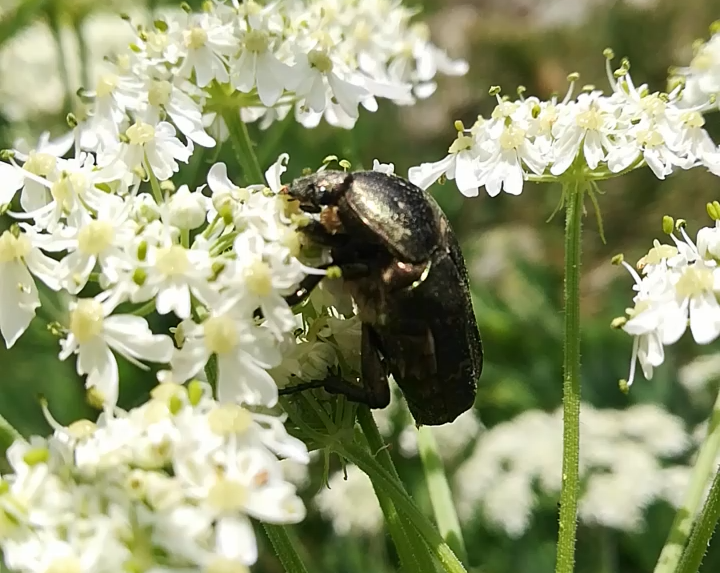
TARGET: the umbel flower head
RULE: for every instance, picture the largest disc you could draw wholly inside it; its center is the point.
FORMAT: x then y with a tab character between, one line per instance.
593	136
677	287
171	484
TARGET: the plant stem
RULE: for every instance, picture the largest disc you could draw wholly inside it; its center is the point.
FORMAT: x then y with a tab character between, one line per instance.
702	470
414	554
243	147
379	476
571	382
440	494
285	548
702	531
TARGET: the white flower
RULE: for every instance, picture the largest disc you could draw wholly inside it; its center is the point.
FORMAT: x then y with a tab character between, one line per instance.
155	148
19	260
244	353
94	334
187	210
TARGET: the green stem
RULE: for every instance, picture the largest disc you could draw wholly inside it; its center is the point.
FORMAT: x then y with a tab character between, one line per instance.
702	532
703	468
154	183
8	434
440	494
285	547
84	52
413	552
243	147
379	476
571	383
56	28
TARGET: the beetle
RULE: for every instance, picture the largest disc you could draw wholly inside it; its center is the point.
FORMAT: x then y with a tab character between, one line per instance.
403	266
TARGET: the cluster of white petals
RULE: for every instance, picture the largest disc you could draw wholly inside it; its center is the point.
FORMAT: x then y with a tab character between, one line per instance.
320	58
701	78
624	464
596	135
168	486
677	285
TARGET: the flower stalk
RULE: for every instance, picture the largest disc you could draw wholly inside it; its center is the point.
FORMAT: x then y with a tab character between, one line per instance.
703	468
702	531
440	494
571	381
284	543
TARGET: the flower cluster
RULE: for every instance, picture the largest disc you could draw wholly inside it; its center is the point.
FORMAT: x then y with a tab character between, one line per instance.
677	286
701	78
518	462
170	485
595	135
317	59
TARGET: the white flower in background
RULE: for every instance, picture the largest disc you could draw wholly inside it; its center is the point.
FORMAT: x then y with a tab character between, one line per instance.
181	473
451	438
679	287
350	504
94	333
516	462
600	135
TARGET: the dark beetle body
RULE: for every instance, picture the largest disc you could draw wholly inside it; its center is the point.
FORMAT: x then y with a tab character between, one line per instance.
403	266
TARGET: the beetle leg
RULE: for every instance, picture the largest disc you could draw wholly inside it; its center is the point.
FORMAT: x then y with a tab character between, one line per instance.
305	287
318	233
375	391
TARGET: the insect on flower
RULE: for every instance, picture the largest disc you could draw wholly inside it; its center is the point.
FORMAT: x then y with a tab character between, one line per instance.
402	264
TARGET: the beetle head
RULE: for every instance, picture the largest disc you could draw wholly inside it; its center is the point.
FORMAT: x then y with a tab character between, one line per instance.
319	189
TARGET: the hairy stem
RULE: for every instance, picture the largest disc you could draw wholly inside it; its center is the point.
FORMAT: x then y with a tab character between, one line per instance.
702	531
571	382
240	138
285	548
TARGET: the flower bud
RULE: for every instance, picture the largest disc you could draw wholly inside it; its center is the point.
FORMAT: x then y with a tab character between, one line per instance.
187	210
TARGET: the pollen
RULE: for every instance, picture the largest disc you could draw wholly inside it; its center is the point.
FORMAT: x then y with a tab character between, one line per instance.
13	248
172	261
229	419
140	133
42	164
95	237
259	277
86	320
221	334
694	281
320	61
512	137
159	94
228	495
195	38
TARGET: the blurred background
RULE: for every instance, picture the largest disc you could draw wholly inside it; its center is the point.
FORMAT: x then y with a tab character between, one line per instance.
503	459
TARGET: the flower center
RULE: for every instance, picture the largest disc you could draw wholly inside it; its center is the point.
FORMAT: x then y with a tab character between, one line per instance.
106	85
95	237
259	277
512	137
172	261
40	164
140	133
195	38
693	119
221	334
591	120
86	320
650	138
320	61
227	495
65	189
462	143
229	419
13	248
256	41
66	564
159	93
658	253
694	281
